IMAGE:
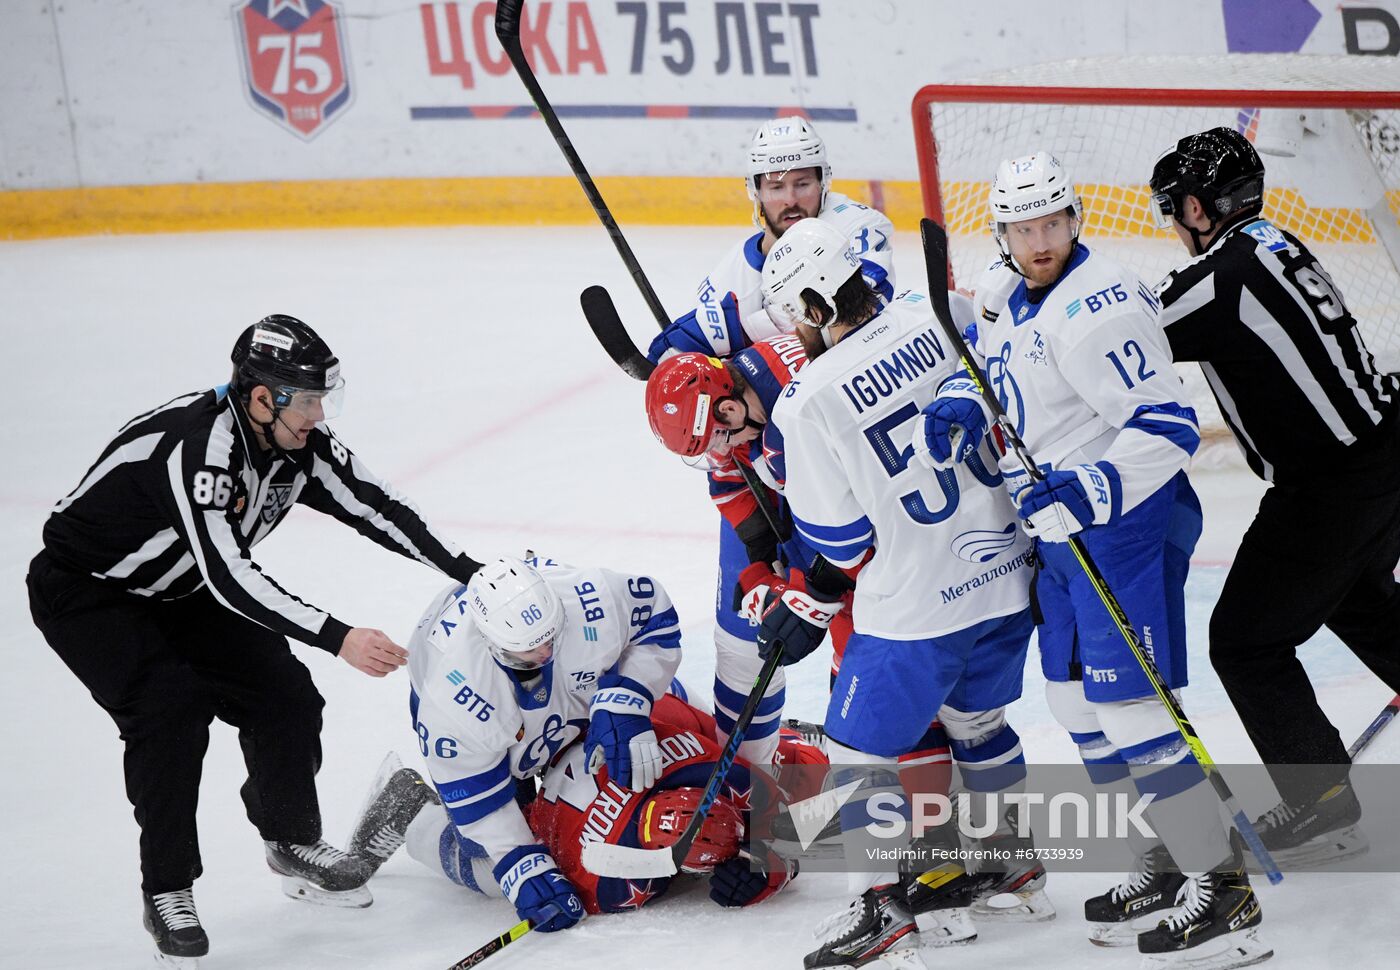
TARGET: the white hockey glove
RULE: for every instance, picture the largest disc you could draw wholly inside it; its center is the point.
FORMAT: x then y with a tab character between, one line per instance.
1069	500
620	734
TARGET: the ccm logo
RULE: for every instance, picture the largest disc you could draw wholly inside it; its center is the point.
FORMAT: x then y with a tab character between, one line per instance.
1028	205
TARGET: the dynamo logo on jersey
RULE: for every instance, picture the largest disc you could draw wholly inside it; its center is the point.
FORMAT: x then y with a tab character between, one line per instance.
983	545
1008	392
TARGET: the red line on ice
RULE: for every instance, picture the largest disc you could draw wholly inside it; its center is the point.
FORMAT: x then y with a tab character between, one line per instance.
502	425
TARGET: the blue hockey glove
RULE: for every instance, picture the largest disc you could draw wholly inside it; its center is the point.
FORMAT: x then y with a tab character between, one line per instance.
796	620
953	426
1069	500
539	891
620	734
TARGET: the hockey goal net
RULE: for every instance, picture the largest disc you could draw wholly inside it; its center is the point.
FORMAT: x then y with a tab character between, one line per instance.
1328	129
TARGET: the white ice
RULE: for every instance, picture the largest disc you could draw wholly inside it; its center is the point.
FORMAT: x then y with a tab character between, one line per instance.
476	387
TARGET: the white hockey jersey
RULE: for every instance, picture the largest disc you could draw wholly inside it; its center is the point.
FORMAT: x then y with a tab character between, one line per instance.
1086	374
730	312
948	553
479	729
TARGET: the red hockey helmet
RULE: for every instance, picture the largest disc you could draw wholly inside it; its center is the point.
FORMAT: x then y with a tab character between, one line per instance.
665	815
681	396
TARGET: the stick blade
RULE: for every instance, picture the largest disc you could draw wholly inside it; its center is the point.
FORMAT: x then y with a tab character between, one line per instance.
935	240
607	326
625	862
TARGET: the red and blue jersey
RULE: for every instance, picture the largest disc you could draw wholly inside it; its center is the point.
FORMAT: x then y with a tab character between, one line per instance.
768	366
575	808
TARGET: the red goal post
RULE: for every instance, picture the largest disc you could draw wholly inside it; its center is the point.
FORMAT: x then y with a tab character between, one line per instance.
1328	129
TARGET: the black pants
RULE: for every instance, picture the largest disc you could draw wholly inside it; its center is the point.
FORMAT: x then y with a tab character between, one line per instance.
164	671
1316	555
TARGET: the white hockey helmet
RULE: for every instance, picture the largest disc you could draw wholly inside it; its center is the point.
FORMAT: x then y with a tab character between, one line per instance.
812	255
781	145
1028	188
518	612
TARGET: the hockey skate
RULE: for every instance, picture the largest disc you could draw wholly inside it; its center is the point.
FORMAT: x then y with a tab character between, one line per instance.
1302	834
876	930
171	920
397	797
1216	926
1137	903
1009	881
940	900
937	889
813	734
320	873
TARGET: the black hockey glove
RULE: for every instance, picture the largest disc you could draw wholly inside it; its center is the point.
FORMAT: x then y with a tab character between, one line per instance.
797	621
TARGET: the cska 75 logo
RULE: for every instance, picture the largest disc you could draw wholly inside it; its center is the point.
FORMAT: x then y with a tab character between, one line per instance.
294	60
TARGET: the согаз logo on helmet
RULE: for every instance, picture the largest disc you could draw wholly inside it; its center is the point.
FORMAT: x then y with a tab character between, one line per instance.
294	62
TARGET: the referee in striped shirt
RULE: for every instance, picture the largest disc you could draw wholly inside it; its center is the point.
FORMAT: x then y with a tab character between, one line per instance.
1297	387
147	590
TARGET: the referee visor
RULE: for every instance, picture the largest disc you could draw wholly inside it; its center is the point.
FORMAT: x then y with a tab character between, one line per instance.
1163	209
321	404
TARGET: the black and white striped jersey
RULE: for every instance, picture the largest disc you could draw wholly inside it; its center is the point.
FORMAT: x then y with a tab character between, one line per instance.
1280	350
181	495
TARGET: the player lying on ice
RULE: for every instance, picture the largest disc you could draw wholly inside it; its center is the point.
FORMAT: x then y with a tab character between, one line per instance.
583	708
701	405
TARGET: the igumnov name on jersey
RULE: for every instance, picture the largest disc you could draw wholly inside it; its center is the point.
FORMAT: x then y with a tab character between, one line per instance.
1085	374
181	495
730	313
480	726
1280	350
948	552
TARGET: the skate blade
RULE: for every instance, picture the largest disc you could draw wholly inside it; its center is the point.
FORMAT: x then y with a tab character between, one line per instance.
903	958
945	927
298	888
1347	843
1023	907
1126	933
1225	953
184	963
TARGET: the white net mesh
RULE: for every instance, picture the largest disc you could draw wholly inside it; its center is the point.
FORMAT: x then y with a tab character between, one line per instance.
1339	191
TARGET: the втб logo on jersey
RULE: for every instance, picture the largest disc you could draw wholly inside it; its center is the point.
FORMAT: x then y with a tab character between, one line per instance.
294	61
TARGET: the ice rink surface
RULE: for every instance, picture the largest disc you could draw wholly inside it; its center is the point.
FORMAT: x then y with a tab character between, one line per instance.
475	386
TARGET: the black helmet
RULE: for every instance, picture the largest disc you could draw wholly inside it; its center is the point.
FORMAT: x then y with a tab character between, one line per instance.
1220	167
281	352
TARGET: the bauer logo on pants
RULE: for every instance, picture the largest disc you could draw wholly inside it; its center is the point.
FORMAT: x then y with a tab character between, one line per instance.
294	61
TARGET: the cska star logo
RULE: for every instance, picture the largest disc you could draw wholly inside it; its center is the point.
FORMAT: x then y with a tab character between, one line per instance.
294	61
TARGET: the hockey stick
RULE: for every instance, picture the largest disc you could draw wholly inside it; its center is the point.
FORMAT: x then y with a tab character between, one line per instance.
1386	715
508	14
496	945
625	862
935	241
603	320
607	326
